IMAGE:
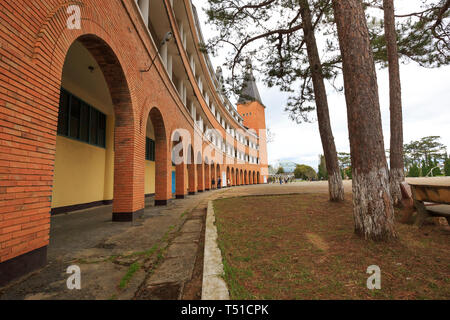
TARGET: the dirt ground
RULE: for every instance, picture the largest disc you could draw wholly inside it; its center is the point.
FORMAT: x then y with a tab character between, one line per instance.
303	247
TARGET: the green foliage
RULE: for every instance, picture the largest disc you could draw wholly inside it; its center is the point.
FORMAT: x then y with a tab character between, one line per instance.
425	169
271	32
344	159
414	171
426	153
130	273
280	170
322	172
436	172
305	172
422	36
447	167
348	172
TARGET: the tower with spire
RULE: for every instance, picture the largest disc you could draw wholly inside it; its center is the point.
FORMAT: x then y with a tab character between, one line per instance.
253	111
250	105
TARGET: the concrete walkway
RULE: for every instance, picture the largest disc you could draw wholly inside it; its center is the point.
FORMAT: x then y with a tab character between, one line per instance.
151	258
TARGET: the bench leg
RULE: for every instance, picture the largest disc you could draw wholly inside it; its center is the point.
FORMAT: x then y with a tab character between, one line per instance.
422	213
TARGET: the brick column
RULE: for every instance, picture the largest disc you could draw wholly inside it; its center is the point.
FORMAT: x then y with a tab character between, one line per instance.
207	177
192	178
213	176
200	178
180	173
163	173
129	171
218	175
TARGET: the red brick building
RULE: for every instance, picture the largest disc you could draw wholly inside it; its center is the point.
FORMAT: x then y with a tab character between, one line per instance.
99	101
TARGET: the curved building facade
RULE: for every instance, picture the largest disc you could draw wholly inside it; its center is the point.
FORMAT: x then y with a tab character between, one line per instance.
110	101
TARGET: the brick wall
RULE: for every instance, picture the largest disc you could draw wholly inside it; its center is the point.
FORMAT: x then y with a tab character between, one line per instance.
34	41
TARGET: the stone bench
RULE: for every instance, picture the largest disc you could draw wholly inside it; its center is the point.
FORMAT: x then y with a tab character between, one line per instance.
430	198
439	210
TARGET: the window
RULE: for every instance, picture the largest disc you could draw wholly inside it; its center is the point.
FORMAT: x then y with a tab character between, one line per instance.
80	121
93	127
74	123
150	154
63	115
84	124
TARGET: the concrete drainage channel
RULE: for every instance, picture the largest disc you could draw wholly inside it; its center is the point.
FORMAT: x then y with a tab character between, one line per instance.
214	287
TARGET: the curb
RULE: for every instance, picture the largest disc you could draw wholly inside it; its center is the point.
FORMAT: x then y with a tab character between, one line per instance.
214	287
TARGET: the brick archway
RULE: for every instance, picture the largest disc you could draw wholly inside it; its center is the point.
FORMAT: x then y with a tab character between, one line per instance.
162	161
218	176
179	156
213	175
192	171
128	202
207	168
200	173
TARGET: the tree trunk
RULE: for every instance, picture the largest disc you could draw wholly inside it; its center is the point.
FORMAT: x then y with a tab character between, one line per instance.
397	174
372	206
335	186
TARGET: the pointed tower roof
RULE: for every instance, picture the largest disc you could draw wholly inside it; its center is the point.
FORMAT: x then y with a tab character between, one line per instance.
249	92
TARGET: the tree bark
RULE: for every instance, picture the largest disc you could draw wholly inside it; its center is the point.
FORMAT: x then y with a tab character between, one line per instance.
372	206
335	186
397	174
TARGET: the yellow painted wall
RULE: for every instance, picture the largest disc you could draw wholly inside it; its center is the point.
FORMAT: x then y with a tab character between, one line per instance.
79	173
149	177
84	173
109	161
150	165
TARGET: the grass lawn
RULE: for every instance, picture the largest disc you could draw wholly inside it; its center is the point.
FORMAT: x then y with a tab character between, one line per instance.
303	247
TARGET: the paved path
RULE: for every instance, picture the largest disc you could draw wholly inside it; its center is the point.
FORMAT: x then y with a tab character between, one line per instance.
151	258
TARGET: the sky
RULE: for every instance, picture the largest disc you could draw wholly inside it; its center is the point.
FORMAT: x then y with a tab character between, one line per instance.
426	107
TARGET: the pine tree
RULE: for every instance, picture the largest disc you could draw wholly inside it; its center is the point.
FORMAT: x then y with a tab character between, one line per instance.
447	167
322	172
423	35
243	23
373	211
414	171
396	172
